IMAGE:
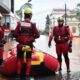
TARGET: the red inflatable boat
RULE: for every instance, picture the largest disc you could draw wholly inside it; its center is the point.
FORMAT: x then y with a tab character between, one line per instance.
41	63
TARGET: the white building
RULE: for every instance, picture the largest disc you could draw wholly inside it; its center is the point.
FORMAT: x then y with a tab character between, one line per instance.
7	11
70	20
3	8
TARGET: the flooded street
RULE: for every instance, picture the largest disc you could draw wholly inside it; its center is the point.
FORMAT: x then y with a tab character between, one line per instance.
42	44
24	21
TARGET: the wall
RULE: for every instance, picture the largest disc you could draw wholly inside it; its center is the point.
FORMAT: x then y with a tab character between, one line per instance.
7	3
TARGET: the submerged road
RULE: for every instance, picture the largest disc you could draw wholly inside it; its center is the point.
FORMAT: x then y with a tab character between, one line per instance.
42	44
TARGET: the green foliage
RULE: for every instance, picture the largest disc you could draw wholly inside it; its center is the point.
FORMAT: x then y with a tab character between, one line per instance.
78	11
47	19
46	30
26	5
74	29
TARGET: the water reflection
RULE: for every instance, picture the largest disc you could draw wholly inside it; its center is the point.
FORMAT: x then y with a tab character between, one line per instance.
42	44
58	76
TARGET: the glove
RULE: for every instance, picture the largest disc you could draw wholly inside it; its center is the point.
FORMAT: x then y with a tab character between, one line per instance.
70	44
49	44
4	41
70	49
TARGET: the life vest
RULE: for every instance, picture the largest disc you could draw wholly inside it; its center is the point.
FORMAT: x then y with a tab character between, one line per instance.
61	34
26	29
26	32
1	34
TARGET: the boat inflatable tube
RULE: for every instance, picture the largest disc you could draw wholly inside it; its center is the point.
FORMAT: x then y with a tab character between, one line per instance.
41	63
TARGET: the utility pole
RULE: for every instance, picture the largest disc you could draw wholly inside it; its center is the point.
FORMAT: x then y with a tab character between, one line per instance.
12	6
65	15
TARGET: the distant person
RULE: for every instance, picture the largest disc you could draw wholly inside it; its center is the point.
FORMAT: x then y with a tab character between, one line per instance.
63	39
6	31
1	42
25	33
11	37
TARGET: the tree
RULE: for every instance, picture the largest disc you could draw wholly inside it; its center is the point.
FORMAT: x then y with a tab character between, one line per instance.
78	11
26	5
78	15
46	31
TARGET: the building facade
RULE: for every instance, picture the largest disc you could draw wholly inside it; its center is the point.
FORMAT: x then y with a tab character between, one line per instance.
3	8
7	12
71	20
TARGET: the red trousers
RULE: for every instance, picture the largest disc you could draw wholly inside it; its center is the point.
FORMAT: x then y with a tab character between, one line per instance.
62	48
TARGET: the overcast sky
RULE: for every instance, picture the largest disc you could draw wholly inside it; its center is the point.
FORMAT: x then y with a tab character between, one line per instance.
43	7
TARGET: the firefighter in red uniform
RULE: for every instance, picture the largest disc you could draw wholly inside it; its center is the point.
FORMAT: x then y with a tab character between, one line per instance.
1	42
25	33
63	39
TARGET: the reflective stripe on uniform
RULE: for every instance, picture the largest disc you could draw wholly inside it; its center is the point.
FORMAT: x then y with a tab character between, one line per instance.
25	24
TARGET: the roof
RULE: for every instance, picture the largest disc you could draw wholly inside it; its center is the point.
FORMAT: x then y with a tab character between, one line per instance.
4	8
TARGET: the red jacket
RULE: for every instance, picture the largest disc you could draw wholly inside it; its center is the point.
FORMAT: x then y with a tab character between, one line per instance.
26	32
1	34
60	34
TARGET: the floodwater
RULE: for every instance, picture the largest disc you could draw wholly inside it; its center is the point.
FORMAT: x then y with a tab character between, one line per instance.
42	44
